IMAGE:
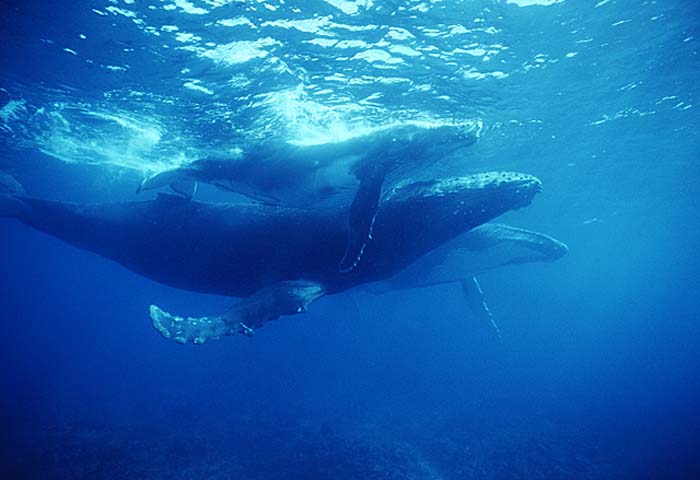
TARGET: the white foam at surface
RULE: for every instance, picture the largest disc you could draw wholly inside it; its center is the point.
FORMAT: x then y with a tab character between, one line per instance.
376	55
421	7
350	7
404	50
353	44
397	33
239	81
120	11
621	22
354	28
622	114
458	30
318	25
235	22
82	134
475	74
188	7
475	52
12	110
529	3
184	37
322	42
308	122
393	80
221	3
239	52
195	85
114	68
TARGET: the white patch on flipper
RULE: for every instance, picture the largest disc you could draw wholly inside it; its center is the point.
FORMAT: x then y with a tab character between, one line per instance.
269	303
183	329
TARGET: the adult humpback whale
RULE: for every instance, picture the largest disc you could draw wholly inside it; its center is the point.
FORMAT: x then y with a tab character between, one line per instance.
290	174
281	259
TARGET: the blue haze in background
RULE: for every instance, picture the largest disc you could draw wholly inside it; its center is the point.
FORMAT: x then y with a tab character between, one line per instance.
597	374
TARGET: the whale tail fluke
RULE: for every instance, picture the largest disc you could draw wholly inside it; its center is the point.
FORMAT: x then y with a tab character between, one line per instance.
11	205
285	298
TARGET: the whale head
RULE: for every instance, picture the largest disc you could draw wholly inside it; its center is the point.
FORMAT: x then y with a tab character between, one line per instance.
491	191
434	211
494	192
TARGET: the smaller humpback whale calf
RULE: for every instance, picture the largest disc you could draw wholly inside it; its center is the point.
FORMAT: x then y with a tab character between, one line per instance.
279	259
481	249
289	174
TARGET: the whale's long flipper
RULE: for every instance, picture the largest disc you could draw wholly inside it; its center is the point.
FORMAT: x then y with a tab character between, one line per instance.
170	177
363	211
269	303
474	295
185	187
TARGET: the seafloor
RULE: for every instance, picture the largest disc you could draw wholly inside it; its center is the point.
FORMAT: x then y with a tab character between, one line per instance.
266	447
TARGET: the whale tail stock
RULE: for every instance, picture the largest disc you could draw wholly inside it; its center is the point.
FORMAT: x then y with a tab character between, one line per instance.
269	303
11	191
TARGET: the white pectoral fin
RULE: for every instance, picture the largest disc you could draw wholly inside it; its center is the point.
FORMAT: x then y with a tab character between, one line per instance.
269	303
164	179
190	329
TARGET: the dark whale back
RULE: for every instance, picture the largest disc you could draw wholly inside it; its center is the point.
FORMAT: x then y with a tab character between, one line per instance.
226	249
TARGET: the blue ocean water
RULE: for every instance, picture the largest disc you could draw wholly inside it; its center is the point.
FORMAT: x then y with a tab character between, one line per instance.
596	371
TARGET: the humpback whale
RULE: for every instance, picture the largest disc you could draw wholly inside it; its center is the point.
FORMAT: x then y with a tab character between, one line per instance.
280	259
481	249
297	175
